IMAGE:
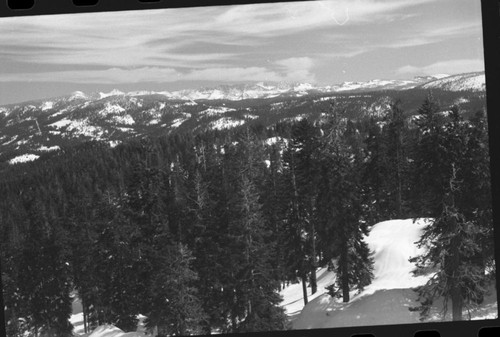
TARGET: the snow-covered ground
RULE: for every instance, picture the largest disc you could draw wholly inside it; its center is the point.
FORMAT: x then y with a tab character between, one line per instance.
388	298
23	158
385	301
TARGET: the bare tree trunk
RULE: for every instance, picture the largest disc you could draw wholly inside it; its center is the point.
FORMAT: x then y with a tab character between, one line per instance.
314	283
304	289
84	310
345	273
456	304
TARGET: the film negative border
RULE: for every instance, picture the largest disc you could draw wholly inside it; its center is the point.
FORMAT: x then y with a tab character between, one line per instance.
491	34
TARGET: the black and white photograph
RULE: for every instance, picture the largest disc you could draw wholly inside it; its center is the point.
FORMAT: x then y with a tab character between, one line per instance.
245	168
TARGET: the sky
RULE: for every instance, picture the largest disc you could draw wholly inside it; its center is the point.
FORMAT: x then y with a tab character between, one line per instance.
318	42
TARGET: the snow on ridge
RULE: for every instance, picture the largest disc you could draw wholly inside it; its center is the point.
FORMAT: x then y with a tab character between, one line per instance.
461	82
214	111
77	95
225	123
48	149
250	116
440	76
126	119
23	158
177	122
61	123
80	127
114	92
47	106
111	109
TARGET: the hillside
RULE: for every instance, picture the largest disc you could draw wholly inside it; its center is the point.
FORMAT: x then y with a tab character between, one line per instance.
462	82
29	130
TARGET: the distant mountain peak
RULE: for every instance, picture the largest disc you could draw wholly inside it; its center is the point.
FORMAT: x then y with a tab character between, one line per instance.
439	76
261	90
114	92
77	95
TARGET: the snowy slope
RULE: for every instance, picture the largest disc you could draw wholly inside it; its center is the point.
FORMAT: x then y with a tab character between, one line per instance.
113	331
387	299
470	81
293	301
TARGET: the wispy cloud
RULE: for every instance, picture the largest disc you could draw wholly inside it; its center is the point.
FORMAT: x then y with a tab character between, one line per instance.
447	67
213	43
140	38
160	75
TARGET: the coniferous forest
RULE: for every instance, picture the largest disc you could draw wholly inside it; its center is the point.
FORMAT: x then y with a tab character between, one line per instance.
200	231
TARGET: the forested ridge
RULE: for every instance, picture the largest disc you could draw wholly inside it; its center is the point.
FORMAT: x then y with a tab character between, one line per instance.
200	232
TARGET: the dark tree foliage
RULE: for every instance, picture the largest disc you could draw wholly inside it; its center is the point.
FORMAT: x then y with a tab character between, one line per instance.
460	225
200	232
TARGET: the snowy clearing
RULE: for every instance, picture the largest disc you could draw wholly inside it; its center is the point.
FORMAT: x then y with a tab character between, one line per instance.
387	299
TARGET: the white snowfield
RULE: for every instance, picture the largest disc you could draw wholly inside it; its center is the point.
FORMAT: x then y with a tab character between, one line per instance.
393	244
113	331
388	298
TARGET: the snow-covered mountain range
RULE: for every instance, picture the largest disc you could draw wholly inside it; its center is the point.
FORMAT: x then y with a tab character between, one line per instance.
462	82
30	129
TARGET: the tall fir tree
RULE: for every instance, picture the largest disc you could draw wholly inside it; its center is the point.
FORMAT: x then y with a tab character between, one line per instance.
341	206
453	237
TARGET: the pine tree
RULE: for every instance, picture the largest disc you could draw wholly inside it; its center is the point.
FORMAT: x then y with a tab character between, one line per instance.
396	158
296	244
174	307
451	243
453	237
44	276
340	206
256	301
304	143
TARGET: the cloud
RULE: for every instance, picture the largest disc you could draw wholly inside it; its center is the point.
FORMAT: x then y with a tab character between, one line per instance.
297	69
118	76
446	67
142	38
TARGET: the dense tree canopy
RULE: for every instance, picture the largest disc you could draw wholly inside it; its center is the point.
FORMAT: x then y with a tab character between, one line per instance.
199	233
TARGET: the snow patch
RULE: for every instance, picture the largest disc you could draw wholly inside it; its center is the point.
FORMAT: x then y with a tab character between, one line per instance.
77	95
248	116
126	119
114	92
154	121
113	143
177	122
214	111
61	123
48	149
393	243
47	106
109	330
225	123
274	140
23	158
111	109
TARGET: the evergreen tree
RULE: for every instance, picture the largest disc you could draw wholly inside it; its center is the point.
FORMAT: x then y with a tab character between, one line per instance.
396	158
453	237
44	277
341	206
174	307
256	301
304	144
